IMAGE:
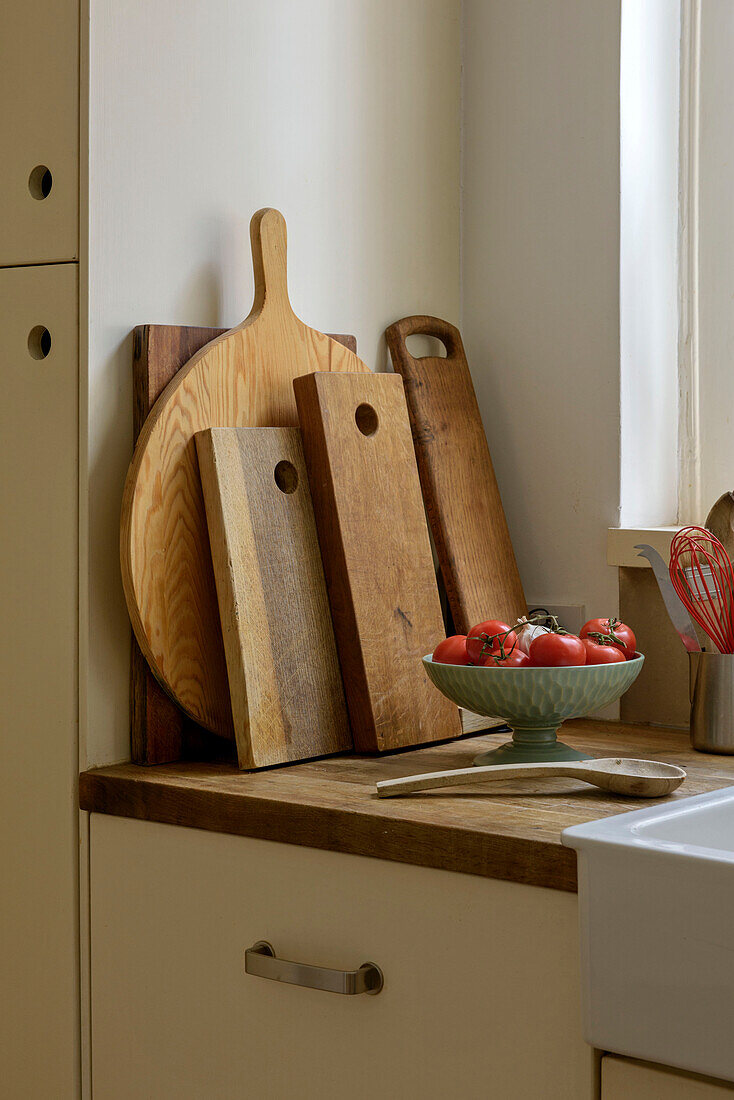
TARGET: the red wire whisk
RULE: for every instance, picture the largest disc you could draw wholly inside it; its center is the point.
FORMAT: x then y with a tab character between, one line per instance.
703	578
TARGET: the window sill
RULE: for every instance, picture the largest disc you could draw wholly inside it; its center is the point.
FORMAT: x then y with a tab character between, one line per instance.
621	542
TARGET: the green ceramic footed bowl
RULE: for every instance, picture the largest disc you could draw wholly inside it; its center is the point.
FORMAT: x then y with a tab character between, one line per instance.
533	701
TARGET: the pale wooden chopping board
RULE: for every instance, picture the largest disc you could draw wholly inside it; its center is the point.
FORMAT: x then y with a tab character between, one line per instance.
286	689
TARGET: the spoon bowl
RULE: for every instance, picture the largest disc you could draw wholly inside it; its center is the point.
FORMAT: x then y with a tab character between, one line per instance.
643	778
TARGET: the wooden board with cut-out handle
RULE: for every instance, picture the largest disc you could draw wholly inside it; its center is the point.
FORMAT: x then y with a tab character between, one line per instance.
457	477
159	732
285	685
242	378
377	556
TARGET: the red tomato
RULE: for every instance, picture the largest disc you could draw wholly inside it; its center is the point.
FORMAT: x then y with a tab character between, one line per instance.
620	634
452	651
483	638
602	654
514	658
556	650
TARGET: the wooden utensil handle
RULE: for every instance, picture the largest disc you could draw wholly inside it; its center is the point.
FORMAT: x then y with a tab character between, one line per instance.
463	776
398	333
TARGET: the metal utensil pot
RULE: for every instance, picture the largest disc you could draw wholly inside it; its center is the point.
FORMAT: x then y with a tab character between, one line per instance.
712	701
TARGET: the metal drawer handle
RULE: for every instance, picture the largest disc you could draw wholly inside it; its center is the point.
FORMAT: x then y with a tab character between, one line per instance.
260	960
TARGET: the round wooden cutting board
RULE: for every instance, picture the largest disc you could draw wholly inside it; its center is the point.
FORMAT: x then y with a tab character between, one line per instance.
242	379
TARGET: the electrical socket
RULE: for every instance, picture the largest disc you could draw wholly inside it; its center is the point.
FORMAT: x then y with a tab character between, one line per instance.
570	616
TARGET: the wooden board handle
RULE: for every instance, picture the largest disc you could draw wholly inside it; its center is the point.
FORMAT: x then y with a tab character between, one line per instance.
457	477
397	334
269	241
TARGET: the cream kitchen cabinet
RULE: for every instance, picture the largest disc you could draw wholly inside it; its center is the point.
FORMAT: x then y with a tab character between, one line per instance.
39	131
39	431
625	1079
480	996
39	548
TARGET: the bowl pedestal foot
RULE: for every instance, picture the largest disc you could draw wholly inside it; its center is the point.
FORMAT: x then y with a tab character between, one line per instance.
530	747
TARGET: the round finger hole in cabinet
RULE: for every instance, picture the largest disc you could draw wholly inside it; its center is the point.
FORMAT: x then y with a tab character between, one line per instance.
40	182
367	419
286	476
39	342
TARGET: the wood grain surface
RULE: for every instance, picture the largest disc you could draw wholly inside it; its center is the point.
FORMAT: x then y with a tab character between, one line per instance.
457	478
720	521
159	731
156	722
284	679
240	379
377	556
510	831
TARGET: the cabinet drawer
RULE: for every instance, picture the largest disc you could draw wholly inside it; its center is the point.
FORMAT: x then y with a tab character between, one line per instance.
39	130
624	1079
38	681
481	977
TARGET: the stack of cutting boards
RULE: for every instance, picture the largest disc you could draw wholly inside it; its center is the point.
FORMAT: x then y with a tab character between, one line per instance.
276	560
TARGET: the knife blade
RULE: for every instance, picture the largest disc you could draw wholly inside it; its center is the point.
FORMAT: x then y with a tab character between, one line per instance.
679	617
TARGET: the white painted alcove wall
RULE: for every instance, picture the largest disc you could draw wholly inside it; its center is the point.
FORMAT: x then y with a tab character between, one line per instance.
540	271
345	116
349	117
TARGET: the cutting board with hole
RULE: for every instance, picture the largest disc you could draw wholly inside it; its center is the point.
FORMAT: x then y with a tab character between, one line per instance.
286	690
457	477
377	556
241	379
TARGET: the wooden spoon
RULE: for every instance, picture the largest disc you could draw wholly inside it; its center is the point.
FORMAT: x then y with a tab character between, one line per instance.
720	522
639	778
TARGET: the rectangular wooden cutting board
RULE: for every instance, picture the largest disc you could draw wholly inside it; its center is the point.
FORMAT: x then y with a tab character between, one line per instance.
377	556
457	477
286	690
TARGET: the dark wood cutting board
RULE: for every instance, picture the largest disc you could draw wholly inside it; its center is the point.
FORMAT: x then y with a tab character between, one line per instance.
377	556
457	477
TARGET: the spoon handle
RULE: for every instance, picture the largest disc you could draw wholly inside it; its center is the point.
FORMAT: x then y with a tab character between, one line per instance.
387	788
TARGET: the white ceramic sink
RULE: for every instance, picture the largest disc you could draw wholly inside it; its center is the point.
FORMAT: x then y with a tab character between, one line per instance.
656	902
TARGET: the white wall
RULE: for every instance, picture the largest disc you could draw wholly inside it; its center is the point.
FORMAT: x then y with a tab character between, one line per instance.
716	251
706	226
648	277
540	279
345	116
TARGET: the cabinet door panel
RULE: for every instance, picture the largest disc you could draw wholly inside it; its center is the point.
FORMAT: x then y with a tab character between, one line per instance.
623	1079
481	977
39	128
38	682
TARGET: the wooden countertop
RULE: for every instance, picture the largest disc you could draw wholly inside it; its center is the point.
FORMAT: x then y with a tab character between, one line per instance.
509	831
